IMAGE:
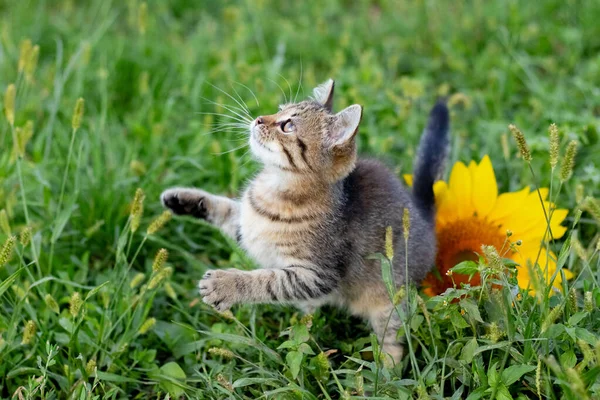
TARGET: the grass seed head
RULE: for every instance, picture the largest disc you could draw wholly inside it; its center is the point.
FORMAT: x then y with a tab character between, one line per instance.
156	281
167	272
588	302
146	326
321	364
7	250
28	332
307	320
90	367
51	303
495	333
406	223
568	163
105	298
572	301
551	318
86	53
400	295
144	85
32	62
75	304
554	145
137	209
538	379
493	258
67	371
227	314
505	146
159	222
579	193
588	355
89	232
359	382
521	142
19	291
159	260
575	382
136	280
9	103
592	206
170	291
159	277
221	352
224	382
579	249
4	224
389	243
78	113
24	135
25	49
137	167
143	18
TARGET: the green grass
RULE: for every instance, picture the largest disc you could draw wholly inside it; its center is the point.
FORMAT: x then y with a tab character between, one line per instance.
528	63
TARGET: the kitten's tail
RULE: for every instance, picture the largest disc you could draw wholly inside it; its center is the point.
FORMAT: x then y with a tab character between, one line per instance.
431	157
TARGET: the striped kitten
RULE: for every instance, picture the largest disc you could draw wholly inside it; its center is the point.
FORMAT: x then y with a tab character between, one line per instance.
314	212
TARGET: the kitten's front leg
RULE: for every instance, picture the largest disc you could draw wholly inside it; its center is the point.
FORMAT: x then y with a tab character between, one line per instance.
224	288
218	210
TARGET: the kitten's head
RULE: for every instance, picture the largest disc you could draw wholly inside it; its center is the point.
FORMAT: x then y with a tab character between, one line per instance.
307	137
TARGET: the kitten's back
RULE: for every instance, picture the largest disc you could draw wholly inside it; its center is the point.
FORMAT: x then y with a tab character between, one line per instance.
376	200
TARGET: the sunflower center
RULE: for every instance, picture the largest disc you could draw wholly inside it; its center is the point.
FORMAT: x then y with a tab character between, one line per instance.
459	241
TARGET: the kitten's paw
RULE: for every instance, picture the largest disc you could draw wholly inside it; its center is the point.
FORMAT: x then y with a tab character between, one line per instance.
218	289
186	202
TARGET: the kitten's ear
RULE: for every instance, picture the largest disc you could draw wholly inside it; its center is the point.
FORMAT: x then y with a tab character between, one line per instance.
324	94
346	126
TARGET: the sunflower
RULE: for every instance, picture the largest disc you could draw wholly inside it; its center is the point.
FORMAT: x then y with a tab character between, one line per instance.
471	213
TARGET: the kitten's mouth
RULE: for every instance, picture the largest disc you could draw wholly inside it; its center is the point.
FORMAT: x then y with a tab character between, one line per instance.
257	131
255	135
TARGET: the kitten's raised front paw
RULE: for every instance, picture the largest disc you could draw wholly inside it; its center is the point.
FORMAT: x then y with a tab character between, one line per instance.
185	202
218	289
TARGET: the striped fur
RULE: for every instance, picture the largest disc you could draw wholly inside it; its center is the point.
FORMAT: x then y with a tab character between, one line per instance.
311	216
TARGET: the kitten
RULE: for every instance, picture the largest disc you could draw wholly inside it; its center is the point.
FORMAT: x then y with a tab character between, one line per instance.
314	212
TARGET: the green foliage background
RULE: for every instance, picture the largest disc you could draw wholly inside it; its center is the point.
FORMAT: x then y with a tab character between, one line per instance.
146	72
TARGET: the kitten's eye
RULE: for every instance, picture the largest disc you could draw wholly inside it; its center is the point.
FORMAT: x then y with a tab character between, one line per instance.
287	126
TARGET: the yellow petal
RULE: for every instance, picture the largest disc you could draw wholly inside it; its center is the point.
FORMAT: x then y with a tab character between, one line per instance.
472	168
439	190
485	187
537	232
556	219
543	193
523	278
408	178
529	215
460	187
506	204
568	274
546	262
446	209
445	204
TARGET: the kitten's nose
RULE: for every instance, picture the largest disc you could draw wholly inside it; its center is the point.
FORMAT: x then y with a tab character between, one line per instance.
260	121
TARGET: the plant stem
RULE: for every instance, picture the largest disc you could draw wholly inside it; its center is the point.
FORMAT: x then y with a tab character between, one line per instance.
61	197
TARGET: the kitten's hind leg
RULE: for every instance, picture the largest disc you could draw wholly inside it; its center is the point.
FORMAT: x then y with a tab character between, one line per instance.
386	323
218	210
